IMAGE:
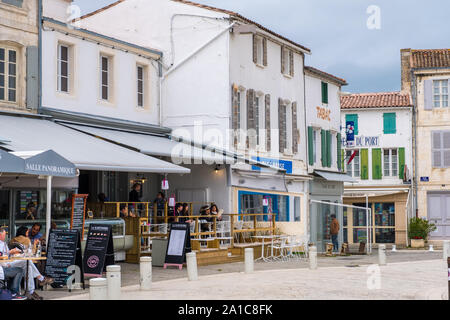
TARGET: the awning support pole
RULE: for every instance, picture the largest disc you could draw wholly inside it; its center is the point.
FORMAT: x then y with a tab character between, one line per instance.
48	214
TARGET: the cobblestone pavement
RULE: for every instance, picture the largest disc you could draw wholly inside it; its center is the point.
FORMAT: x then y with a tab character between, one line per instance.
408	275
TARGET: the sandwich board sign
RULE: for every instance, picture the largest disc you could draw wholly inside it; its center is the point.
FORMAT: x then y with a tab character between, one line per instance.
99	251
178	245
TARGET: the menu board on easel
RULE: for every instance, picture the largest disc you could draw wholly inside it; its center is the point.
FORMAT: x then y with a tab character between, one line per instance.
99	251
78	212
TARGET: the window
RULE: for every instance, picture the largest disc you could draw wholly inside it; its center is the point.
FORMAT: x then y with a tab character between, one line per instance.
259	50
287	60
390	160
63	68
105	78
8	75
140	86
440	145
389	123
440	93
353	168
324	92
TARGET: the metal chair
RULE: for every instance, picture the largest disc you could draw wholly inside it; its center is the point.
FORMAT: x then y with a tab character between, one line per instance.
282	250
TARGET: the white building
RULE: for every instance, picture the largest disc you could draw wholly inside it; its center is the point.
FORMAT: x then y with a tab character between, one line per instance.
222	73
323	113
381	162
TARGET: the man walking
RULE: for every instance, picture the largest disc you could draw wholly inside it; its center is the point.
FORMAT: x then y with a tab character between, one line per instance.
334	232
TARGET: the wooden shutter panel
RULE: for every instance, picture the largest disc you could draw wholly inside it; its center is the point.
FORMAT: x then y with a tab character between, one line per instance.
428	94
32	77
446	149
364	164
295	133
235	113
376	164
329	149
401	163
282	60
324	92
323	140
311	146
255	49
291	62
436	145
267	120
264	51
354	118
339	149
250	119
282	125
389	123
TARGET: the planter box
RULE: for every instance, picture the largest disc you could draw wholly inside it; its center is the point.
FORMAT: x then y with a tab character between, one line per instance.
417	243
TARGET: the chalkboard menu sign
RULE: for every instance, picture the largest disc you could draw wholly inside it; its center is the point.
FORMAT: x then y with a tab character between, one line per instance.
99	251
64	250
78	212
179	239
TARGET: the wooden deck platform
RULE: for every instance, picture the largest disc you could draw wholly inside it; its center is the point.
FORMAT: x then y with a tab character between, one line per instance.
226	255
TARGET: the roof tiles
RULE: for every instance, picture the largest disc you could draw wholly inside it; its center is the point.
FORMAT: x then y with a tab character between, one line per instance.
375	100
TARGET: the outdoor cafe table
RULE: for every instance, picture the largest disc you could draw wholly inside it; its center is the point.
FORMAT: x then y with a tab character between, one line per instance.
271	237
27	259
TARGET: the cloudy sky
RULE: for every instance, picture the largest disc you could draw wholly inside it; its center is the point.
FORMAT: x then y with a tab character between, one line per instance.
337	32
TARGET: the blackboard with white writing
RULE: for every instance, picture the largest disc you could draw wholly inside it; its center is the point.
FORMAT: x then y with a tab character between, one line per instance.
78	212
99	251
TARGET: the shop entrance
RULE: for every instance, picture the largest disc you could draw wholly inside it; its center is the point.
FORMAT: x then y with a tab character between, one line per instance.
320	224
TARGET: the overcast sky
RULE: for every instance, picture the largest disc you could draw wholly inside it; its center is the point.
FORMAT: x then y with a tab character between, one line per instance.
336	31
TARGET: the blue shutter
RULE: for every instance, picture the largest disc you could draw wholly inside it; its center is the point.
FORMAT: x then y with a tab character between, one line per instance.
389	123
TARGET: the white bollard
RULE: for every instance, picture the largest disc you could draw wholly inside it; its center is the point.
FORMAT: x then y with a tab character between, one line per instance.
394	248
145	267
191	262
382	254
446	249
98	289
249	260
313	258
114	282
431	248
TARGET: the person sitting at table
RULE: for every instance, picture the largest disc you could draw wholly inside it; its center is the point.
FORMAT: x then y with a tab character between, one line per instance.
22	240
205	211
186	213
13	275
216	212
35	232
33	272
124	212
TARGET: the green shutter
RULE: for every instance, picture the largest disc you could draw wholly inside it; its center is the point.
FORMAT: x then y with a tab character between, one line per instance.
324	92
323	139
364	164
401	162
339	149
311	145
389	123
354	118
329	151
376	164
342	160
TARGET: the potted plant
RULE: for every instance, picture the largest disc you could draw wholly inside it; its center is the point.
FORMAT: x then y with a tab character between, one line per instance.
418	231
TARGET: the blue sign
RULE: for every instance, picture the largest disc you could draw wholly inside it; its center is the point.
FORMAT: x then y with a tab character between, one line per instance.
424	179
282	164
350	132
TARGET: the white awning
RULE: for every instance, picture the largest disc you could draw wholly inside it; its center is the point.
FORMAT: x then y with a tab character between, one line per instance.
86	152
153	145
334	176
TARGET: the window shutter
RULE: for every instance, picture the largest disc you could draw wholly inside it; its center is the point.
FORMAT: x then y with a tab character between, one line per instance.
250	119
436	149
255	49
329	149
376	164
264	51
389	123
339	149
342	160
295	133
282	125
235	113
446	147
324	92
354	118
401	163
364	164
32	77
428	94
323	140
291	62
282	60
256	127
311	146
267	120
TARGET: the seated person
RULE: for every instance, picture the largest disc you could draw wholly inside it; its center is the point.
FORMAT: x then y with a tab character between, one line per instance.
22	240
124	212
216	212
35	233
205	211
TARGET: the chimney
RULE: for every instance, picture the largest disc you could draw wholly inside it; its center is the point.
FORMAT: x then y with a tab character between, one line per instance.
406	70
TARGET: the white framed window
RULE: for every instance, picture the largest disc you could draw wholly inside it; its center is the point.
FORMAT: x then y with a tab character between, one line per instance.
353	168
105	77
440	93
63	68
141	86
390	162
8	74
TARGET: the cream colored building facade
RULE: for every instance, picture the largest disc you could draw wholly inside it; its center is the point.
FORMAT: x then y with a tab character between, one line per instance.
426	75
18	55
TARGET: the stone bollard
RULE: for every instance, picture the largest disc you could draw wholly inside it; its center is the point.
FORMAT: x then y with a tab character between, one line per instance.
446	249
382	254
114	282
313	258
191	262
394	248
145	279
249	260
98	289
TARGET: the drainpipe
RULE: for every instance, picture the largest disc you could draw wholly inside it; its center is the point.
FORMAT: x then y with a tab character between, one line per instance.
414	114
307	194
40	13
